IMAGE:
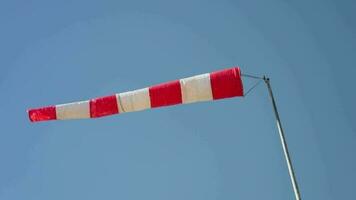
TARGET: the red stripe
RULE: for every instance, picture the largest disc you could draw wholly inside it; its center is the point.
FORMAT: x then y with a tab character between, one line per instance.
103	106
165	94
42	114
226	83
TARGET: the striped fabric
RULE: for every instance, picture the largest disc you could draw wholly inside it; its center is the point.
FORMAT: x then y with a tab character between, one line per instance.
211	86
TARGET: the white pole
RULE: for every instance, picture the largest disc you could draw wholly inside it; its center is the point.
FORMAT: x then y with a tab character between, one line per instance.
283	141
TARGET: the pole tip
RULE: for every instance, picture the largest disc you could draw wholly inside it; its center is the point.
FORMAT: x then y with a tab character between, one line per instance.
265	78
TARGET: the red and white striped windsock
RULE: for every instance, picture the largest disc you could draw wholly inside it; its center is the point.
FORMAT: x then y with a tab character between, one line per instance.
210	86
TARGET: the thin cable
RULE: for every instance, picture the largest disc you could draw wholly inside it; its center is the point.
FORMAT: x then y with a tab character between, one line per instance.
252	76
253	87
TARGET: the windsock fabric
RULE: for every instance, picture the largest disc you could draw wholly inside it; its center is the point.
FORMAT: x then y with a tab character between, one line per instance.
205	87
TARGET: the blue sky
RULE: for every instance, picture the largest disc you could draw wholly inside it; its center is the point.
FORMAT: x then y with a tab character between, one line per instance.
64	51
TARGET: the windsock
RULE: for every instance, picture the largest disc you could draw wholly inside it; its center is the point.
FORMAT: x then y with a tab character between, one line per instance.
216	85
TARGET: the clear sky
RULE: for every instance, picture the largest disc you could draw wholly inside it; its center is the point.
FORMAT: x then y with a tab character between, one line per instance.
54	52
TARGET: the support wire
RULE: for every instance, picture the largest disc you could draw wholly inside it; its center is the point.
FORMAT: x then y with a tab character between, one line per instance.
253	87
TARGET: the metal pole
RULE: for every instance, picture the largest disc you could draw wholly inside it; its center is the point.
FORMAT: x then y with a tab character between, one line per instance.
283	141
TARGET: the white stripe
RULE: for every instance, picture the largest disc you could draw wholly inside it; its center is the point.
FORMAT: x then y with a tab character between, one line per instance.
133	100
75	110
196	88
